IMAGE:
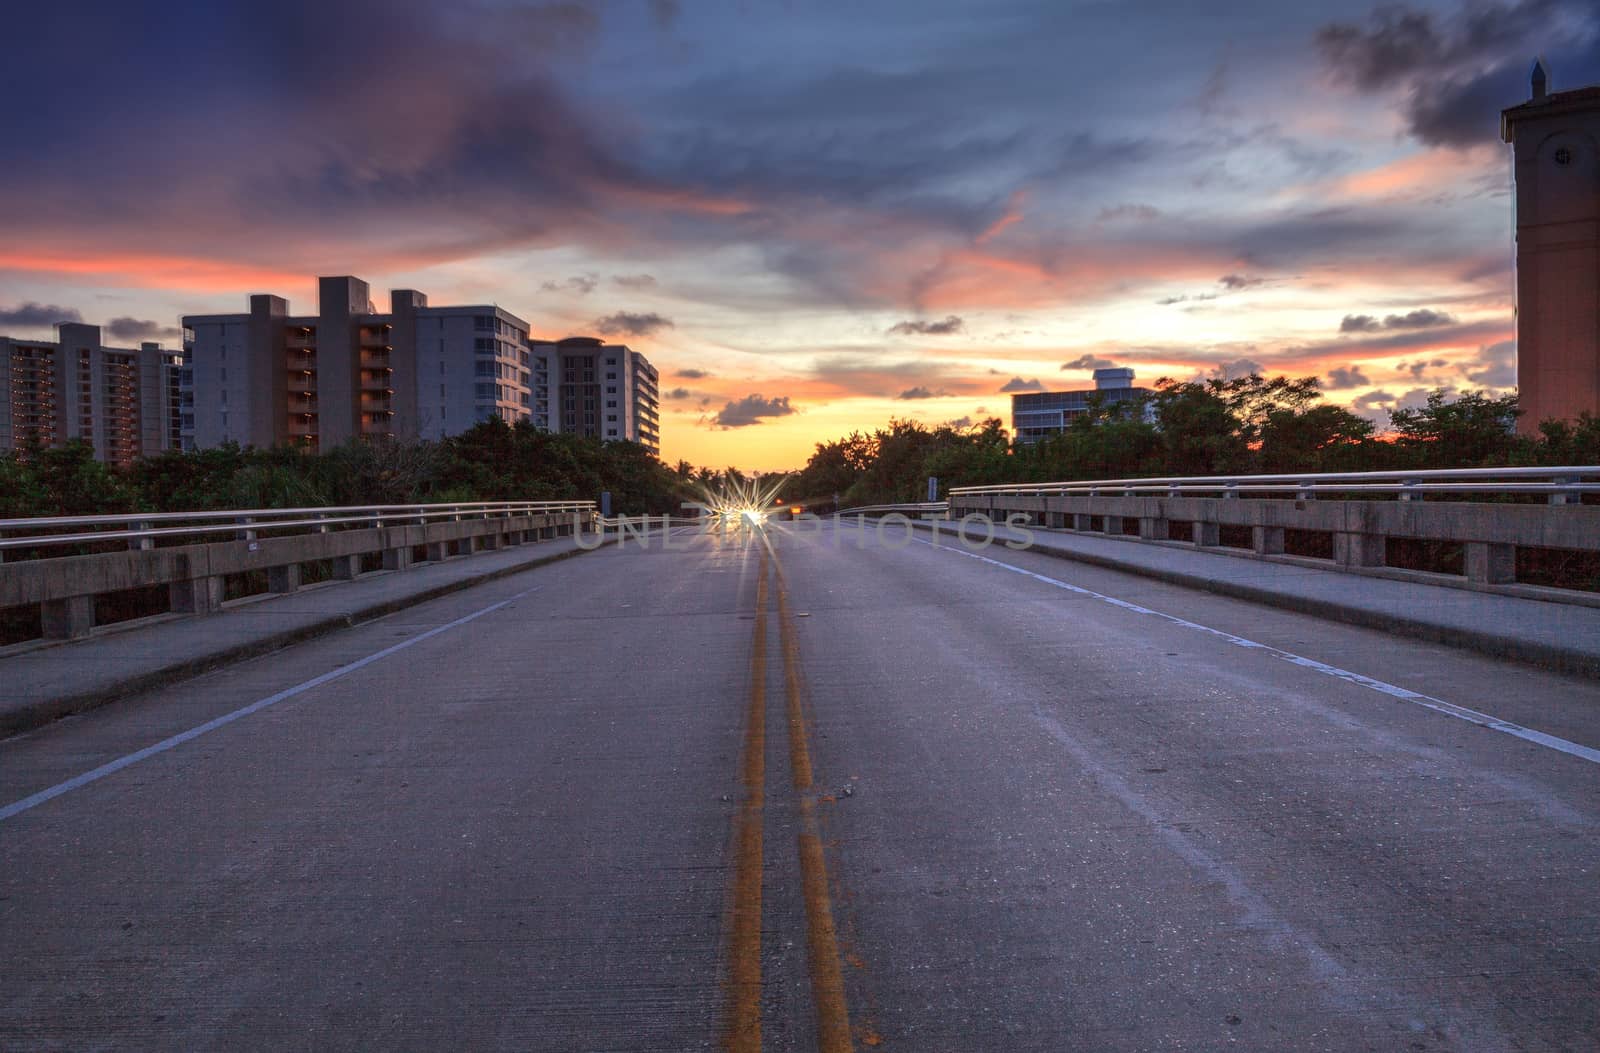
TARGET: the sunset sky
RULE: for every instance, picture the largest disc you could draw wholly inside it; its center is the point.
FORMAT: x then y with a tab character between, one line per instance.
812	215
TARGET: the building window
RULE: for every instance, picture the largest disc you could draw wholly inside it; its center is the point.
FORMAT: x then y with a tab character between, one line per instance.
483	322
611	417
611	404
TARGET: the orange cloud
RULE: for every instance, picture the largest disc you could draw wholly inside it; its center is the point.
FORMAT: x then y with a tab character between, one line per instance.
188	274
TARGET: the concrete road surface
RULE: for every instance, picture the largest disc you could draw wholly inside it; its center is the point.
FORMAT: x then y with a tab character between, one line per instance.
818	790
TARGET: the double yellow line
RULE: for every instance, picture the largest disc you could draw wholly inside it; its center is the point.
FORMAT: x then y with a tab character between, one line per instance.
744	941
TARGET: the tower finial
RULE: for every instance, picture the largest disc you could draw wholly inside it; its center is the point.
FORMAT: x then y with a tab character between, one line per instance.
1541	79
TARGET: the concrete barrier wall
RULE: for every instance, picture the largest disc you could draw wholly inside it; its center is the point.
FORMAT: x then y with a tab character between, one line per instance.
1491	533
65	587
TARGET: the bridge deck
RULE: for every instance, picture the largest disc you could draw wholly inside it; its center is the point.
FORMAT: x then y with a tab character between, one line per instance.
1022	804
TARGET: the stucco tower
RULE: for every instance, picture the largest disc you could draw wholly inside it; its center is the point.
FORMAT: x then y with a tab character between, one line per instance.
1555	139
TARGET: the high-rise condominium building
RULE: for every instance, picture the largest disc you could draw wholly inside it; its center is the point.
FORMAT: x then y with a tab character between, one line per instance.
1555	139
351	371
126	402
607	391
1040	414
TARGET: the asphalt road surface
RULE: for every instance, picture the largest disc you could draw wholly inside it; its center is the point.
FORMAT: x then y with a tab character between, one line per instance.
818	791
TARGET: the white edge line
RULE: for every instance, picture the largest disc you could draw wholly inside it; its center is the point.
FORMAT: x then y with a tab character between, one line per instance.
1449	709
33	801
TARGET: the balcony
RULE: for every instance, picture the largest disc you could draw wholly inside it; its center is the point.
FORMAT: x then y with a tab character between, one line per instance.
377	336
374	403
378	380
303	404
302	384
301	340
303	426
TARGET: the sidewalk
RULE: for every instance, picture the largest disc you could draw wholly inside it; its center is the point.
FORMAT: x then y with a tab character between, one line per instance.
1560	636
45	682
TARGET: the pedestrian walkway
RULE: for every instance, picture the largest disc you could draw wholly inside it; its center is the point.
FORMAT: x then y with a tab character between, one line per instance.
43	682
1555	635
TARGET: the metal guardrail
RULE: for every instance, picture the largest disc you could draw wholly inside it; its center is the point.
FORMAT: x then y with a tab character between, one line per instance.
913	508
1341	519
143	529
1562	484
196	564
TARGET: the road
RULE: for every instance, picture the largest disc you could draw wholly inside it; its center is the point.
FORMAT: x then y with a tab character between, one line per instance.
820	790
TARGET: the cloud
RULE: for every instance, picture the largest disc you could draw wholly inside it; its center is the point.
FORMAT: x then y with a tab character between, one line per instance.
559	28
879	374
665	12
139	329
1232	370
1495	366
678	394
951	324
1452	74
1418	368
919	393
1341	378
751	409
1235	282
634	281
1139	213
1017	384
581	284
692	374
1374	400
1229	283
1423	318
631	323
959	423
1089	362
37	315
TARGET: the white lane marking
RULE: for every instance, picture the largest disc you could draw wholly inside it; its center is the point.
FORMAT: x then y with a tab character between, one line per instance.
1449	709
112	767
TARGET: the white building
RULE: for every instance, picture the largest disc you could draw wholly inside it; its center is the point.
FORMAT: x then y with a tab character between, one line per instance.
125	402
349	371
607	391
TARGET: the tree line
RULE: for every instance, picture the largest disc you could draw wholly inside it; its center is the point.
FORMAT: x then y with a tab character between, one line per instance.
1241	426
1205	427
490	462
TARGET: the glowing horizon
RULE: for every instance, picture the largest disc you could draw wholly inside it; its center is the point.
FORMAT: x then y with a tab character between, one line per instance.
811	225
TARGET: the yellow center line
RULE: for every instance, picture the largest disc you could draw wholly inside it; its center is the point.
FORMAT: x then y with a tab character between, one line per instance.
744	938
827	977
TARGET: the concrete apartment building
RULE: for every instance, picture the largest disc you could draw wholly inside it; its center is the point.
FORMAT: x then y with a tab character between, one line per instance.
608	391
1555	139
350	371
1040	414
125	402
